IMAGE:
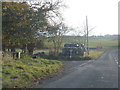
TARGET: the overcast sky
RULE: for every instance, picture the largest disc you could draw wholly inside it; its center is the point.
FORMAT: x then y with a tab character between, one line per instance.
102	14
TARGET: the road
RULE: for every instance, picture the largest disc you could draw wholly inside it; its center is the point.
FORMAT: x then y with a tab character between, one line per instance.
101	73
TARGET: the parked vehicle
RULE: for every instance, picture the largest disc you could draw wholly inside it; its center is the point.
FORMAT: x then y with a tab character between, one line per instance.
73	50
38	54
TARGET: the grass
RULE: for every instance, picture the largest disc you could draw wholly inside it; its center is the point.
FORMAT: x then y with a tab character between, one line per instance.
94	54
105	43
93	42
22	73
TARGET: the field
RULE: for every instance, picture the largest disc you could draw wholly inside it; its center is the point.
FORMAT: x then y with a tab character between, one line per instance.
106	43
93	42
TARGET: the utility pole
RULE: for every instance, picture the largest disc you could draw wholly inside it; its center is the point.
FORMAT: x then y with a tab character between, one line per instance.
87	34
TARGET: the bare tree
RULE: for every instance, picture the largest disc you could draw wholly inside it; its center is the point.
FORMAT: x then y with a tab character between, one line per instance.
47	15
84	31
57	33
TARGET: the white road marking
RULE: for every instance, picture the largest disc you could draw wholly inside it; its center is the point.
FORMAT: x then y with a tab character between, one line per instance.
82	64
116	59
86	63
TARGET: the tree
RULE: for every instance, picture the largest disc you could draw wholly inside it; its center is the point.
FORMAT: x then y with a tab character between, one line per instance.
50	15
16	24
21	22
57	33
84	31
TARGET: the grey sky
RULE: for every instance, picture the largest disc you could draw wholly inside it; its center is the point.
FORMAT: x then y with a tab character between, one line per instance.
102	14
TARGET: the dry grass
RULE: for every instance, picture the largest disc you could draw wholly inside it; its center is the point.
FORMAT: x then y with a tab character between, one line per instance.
94	54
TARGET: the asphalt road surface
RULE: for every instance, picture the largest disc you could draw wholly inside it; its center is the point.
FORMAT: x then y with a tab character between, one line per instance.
101	73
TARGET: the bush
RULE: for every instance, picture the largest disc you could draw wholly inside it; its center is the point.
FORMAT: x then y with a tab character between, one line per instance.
7	56
25	56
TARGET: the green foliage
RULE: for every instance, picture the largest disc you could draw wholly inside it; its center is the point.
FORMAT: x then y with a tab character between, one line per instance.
40	43
22	21
16	23
22	73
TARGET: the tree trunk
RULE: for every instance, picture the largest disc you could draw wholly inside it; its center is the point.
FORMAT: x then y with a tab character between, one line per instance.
24	48
12	49
30	48
30	51
3	49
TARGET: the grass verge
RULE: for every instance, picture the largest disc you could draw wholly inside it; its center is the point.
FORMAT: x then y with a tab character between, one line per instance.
22	73
94	54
